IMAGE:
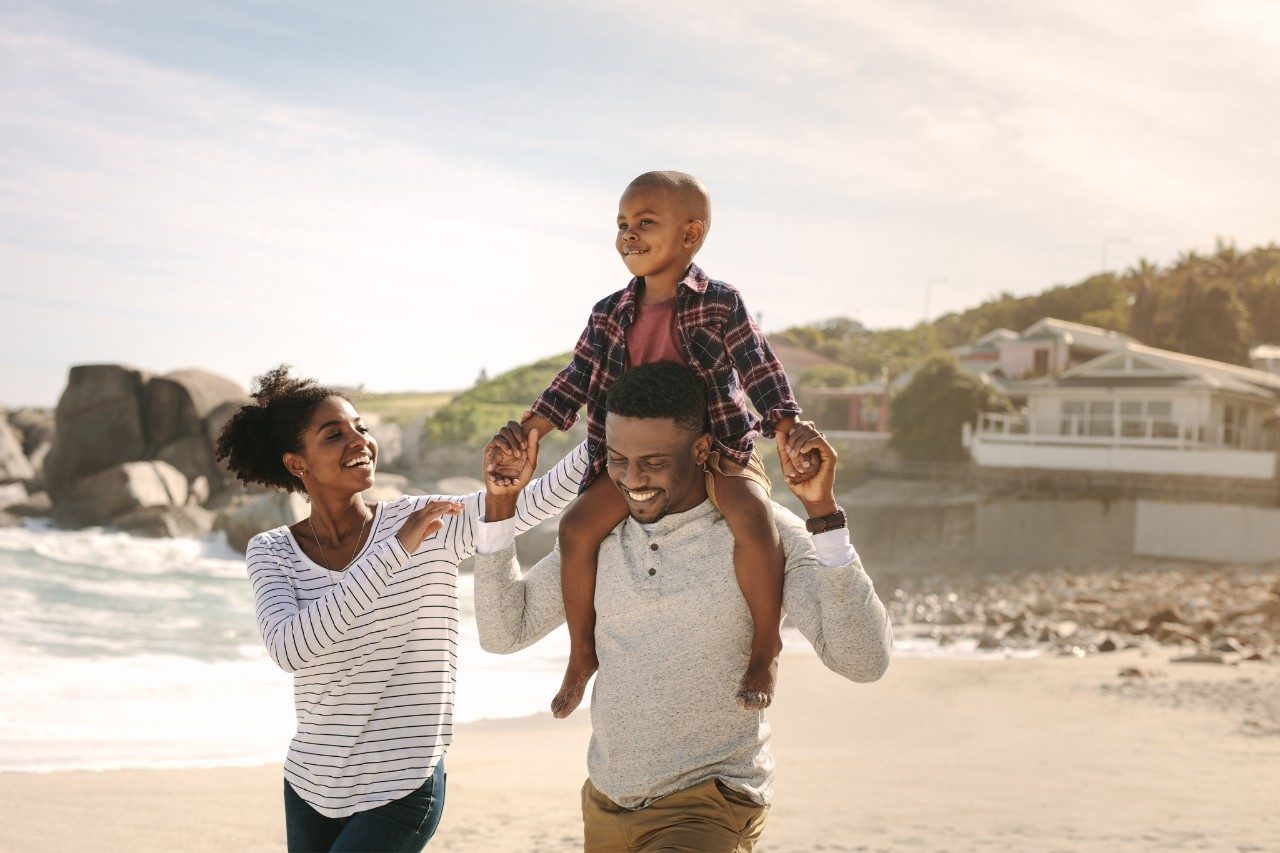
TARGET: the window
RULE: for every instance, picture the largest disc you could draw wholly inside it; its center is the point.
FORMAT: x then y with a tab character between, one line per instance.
1042	362
1100	414
1073	415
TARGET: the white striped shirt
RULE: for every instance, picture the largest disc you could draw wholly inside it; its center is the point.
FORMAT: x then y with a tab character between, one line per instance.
373	649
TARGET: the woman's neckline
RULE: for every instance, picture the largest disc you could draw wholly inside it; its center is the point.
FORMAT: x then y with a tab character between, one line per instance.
373	526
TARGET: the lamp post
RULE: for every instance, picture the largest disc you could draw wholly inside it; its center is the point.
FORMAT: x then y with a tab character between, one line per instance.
1107	242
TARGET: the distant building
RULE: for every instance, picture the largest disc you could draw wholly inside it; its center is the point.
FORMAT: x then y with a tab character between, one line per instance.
1001	356
1265	358
1140	409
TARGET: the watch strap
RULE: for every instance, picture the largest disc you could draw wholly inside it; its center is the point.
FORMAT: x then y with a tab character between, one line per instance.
823	523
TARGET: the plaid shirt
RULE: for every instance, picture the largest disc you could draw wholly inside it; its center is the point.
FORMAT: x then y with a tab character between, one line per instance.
722	344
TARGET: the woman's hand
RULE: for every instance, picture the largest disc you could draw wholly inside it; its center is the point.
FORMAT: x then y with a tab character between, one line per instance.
422	524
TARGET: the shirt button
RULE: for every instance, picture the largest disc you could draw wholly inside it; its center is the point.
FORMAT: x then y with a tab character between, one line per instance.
653	571
653	546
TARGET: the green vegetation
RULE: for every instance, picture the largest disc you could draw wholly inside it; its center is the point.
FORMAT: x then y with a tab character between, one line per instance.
928	413
473	416
1215	306
403	407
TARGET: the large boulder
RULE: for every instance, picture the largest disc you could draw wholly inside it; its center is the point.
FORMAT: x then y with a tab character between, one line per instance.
11	494
14	465
249	516
184	411
102	497
99	424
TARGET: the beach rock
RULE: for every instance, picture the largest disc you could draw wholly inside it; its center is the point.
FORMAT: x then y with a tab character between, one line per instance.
14	465
99	424
1108	645
101	497
12	493
166	521
1228	644
35	425
248	516
180	410
1200	657
1162	616
36	505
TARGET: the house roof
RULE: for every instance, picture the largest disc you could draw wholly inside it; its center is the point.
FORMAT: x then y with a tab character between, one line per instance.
795	360
1217	375
1076	334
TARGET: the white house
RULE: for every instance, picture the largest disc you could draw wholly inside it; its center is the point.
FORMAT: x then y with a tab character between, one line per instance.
1140	409
1049	347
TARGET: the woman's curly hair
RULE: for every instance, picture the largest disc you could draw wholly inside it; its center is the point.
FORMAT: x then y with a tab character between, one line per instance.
256	437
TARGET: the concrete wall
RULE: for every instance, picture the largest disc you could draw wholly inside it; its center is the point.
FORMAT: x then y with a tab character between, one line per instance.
1044	534
1197	531
1258	465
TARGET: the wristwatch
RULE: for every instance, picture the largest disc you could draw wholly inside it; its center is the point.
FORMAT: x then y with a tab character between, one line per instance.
823	523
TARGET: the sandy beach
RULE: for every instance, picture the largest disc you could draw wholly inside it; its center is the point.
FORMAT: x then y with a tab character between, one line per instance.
1045	753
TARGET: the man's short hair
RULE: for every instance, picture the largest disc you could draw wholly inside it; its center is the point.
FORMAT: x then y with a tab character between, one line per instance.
689	192
661	390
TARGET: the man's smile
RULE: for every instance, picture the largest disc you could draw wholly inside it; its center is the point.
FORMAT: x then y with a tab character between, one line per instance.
641	495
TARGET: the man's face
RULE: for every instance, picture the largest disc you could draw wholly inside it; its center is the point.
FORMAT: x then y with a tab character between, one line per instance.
653	236
656	464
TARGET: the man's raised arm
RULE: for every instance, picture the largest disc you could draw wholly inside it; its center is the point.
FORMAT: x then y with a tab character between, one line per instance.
826	593
513	609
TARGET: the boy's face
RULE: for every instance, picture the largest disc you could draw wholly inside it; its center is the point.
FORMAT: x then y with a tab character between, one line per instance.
655	234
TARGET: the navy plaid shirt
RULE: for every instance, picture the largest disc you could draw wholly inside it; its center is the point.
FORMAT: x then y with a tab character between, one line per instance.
721	343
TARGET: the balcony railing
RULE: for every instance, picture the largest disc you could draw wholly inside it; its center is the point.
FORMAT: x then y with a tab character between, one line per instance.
1110	431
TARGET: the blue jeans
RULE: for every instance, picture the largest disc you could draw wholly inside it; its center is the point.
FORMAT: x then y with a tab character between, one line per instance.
406	824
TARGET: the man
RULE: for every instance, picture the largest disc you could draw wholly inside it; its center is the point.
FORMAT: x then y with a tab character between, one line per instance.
674	763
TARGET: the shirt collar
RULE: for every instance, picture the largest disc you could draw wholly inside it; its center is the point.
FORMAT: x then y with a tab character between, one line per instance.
675	520
694	279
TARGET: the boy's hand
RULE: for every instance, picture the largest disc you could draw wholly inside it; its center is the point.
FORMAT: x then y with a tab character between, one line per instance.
511	458
797	466
817	490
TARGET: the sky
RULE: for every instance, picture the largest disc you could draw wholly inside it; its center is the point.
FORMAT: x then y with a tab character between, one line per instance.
396	195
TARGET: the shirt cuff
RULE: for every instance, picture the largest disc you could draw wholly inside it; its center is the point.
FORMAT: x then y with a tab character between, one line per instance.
834	548
495	536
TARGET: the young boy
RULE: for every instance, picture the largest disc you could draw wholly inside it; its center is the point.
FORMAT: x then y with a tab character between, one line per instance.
671	311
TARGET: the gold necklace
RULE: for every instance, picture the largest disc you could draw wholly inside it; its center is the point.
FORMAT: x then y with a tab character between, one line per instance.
323	557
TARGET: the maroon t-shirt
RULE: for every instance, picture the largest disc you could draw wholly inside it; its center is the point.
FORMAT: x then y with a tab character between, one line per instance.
652	335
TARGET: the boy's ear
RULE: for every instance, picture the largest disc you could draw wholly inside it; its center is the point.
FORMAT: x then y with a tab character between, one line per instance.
694	232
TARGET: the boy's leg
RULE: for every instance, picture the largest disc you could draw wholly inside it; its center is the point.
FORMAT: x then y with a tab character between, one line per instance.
758	562
582	528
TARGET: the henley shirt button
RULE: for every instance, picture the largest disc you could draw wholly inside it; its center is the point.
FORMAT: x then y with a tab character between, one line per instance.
653	571
653	546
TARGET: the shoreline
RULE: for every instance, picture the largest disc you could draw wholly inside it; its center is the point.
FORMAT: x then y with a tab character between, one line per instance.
1024	753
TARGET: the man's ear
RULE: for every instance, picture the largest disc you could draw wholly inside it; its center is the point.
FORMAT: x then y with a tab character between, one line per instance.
694	232
295	464
702	448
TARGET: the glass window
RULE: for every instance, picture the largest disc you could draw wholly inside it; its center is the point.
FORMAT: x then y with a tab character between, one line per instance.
1073	417
1100	412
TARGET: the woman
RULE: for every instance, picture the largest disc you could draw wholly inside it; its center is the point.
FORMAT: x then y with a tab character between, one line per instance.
359	602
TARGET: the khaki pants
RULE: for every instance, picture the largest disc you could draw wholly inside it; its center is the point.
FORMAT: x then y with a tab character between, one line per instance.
706	818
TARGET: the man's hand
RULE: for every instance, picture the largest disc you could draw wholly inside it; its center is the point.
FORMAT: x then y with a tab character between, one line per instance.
816	490
511	457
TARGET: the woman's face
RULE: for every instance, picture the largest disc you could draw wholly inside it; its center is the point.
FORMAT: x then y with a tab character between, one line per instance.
339	453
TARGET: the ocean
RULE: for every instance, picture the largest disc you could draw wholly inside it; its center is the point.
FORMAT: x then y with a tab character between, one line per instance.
121	651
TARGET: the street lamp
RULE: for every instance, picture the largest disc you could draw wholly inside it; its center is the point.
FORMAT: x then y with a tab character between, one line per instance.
1107	242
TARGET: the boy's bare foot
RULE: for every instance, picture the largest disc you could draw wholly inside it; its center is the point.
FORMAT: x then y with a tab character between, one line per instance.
576	675
755	690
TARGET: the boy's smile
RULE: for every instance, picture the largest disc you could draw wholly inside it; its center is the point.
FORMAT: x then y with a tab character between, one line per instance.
657	239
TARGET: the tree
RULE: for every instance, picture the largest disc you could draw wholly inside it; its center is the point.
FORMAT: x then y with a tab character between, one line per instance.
928	414
1214	323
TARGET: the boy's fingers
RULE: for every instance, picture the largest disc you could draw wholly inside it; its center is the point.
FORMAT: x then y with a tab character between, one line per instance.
788	464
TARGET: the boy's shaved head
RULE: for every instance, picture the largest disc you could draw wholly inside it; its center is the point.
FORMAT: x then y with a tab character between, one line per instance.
687	191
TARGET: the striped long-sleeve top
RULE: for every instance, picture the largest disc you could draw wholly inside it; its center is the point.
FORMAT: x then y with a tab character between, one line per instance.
373	648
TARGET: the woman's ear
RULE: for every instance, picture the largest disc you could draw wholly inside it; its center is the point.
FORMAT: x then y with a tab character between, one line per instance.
295	465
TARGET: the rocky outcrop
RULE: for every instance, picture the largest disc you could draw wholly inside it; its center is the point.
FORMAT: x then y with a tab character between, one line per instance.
99	424
102	497
184	411
248	516
14	465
